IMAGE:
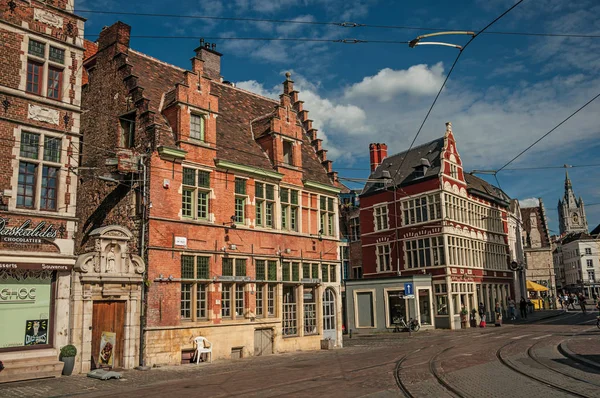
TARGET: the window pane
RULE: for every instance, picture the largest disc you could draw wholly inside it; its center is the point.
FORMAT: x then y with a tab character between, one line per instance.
57	55
189	176
49	186
315	271
260	270
239	300
52	149
186	301
36	48
240	186
202	204
240	204
203	179
294	198
270	192
187	267
259	188
29	145
259	212
34	77
272	270
284	195
269	214
54	83
271	299
285	272
240	267
200	301
305	271
26	187
202	268
197	127
259	300
295	272
330	204
187	196
227	267
325	273
226	301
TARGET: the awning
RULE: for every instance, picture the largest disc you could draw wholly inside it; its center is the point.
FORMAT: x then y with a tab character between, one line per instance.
536	287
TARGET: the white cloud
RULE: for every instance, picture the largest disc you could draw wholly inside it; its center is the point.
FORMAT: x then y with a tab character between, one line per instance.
388	83
529	202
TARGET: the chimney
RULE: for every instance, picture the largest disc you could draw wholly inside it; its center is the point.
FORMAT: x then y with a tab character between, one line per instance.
207	52
378	153
117	34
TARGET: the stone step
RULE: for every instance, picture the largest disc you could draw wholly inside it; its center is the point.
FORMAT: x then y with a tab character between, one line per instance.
15	370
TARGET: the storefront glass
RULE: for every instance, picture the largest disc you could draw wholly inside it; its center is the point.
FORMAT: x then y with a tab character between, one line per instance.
396	305
424	307
25	299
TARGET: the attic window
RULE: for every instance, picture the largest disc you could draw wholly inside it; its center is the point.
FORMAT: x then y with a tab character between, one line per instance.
127	130
287	152
197	127
453	171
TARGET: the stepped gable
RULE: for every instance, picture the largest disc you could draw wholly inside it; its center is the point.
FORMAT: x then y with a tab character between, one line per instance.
313	169
237	109
430	151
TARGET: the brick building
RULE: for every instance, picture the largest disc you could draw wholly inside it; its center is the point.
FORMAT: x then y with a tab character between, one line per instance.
41	53
427	216
229	199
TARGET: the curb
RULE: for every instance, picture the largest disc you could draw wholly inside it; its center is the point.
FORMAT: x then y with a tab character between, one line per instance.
562	312
564	349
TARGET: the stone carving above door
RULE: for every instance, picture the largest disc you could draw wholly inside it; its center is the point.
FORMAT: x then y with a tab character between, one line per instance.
111	258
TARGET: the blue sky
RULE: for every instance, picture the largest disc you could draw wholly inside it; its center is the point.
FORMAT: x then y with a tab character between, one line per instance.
506	91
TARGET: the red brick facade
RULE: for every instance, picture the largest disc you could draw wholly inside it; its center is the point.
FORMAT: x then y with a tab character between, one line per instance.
197	143
434	199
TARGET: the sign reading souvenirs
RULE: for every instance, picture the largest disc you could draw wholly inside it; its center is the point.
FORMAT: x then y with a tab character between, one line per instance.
24	234
36	332
37	266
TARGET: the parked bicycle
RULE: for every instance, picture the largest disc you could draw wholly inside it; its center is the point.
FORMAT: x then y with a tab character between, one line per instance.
400	324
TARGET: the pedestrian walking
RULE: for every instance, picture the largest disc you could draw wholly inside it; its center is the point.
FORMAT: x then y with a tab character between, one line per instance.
561	302
481	315
581	299
523	307
511	309
498	313
572	301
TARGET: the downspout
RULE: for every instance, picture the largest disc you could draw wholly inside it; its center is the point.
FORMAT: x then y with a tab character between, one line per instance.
142	255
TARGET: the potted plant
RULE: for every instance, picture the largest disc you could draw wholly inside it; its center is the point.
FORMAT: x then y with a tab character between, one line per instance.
67	355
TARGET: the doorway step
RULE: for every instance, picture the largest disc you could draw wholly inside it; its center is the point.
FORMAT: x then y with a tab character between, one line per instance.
35	364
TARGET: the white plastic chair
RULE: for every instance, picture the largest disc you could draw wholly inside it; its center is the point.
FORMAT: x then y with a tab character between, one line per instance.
201	348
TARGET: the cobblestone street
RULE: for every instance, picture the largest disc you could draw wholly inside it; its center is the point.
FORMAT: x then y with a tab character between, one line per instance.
553	357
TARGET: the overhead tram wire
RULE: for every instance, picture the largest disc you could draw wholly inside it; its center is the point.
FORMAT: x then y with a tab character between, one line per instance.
461	50
548	133
290	39
344	24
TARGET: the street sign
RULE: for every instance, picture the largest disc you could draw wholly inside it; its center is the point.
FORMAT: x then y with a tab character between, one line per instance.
409	291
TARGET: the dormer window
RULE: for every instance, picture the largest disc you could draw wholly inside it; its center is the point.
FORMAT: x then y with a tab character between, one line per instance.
127	130
287	152
197	127
422	168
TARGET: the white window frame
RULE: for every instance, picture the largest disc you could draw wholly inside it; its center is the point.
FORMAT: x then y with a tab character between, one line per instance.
422	209
381	220
47	64
381	253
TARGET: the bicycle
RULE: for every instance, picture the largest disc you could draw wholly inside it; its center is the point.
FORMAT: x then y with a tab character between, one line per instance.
598	322
400	324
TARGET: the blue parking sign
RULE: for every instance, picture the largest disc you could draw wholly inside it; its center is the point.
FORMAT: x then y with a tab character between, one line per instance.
408	289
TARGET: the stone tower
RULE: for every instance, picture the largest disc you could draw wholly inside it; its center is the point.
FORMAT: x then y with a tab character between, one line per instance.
571	211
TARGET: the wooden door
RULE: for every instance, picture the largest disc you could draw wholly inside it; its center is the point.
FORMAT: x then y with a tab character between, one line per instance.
263	342
108	316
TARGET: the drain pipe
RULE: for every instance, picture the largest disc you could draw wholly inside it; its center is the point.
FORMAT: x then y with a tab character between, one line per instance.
142	364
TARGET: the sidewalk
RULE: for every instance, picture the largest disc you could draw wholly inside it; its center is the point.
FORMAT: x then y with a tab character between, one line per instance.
535	316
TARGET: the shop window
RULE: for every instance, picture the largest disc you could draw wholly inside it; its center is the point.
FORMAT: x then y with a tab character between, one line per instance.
290	313
396	307
365	310
194	276
265	204
127	130
25	307
381	218
441	299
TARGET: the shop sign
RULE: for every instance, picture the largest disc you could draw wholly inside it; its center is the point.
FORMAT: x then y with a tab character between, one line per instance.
36	266
26	232
36	332
21	295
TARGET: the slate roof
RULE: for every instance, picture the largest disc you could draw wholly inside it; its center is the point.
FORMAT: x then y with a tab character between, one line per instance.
430	151
237	110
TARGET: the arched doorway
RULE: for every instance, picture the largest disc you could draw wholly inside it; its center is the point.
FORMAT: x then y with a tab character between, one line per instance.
329	315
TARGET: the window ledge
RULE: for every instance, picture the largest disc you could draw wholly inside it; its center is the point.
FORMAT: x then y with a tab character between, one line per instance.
198	143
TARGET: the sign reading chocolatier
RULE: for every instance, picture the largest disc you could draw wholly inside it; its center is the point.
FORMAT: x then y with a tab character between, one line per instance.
26	232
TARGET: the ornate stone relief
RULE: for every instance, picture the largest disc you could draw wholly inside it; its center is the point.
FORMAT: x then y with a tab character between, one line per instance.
43	114
47	18
111	257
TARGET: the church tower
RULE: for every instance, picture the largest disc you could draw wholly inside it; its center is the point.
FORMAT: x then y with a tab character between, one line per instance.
571	212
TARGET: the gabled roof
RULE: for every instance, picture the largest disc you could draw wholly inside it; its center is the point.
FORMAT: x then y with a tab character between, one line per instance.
406	175
480	187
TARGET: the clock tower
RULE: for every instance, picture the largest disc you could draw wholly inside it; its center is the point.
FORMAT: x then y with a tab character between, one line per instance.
571	211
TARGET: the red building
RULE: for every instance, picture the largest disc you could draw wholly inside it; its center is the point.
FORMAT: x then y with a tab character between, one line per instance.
229	197
427	216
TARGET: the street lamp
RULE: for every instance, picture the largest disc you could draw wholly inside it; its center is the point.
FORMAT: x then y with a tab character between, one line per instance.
417	41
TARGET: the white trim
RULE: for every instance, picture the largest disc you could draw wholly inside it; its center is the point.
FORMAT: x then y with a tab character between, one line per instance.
373	308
